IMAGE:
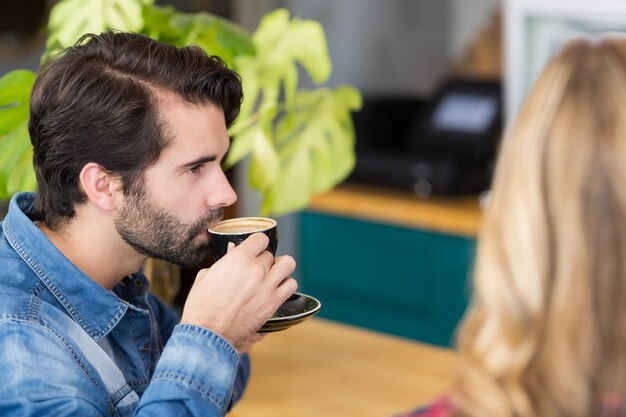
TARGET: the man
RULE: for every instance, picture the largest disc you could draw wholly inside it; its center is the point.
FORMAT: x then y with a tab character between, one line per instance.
128	137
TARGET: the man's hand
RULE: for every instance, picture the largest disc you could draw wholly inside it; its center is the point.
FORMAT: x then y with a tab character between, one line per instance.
240	292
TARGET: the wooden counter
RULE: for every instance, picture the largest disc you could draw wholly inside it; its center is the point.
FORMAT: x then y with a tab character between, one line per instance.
459	216
320	368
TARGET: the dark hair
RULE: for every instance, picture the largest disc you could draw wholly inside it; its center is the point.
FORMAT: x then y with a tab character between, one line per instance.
96	102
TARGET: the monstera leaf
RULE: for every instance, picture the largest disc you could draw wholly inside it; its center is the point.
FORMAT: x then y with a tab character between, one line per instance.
315	149
281	45
16	163
306	153
302	145
217	36
14	93
70	19
16	171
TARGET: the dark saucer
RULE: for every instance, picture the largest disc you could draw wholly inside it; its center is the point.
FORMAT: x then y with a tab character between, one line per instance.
296	309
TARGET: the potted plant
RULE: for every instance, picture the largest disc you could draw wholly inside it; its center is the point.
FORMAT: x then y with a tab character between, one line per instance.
300	142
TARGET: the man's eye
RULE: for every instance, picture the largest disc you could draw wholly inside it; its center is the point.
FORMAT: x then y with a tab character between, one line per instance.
195	169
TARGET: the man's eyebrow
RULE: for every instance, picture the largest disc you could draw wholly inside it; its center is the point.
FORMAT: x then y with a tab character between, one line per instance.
199	161
204	160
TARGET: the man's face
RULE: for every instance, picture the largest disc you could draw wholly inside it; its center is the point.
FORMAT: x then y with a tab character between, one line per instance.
184	192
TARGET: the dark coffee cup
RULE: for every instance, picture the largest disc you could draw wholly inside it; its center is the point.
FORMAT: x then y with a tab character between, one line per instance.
238	229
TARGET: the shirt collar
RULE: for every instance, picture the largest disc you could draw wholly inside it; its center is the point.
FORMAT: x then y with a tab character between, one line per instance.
94	308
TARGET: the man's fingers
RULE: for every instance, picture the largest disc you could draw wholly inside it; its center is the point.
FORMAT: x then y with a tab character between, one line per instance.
255	244
230	247
283	267
267	259
286	288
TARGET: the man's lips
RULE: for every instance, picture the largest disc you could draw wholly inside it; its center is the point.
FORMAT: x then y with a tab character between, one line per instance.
213	223
202	235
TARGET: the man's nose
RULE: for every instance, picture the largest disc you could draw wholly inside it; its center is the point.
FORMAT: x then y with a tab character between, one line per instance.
221	193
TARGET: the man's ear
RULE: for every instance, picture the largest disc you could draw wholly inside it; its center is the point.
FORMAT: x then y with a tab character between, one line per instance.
100	187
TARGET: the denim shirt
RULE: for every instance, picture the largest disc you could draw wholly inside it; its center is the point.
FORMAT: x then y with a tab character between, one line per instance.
70	347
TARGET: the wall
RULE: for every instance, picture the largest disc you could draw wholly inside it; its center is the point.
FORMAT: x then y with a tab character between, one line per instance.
466	18
386	47
379	47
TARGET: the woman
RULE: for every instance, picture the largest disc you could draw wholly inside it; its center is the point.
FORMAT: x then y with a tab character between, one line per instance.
546	332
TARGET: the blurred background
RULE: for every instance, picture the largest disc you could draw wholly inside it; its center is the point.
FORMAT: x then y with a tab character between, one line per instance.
400	46
391	249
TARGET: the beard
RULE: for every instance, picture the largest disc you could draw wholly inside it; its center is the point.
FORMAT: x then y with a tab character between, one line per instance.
154	232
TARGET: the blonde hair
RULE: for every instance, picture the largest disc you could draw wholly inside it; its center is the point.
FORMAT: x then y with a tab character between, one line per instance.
546	332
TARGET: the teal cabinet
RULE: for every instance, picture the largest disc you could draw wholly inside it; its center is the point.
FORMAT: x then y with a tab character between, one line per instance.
408	282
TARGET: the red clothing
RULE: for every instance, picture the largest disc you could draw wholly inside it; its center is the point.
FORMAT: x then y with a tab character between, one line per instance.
440	408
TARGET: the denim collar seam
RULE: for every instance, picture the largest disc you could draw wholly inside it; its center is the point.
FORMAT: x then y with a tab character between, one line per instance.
35	301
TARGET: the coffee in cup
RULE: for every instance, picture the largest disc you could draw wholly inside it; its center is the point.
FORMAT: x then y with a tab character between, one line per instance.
238	229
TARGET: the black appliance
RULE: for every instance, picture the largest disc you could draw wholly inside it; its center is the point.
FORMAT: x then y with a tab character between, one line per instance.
444	146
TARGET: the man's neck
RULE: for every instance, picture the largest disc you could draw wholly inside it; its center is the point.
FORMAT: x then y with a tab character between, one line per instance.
96	249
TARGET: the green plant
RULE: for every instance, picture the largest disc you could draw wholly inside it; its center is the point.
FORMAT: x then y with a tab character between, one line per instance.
300	142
